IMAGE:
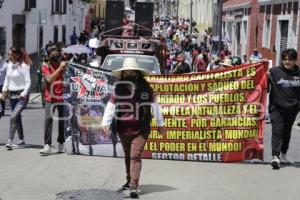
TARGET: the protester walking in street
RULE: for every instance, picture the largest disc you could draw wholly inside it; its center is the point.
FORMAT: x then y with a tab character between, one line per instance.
3	66
198	63
214	63
225	64
16	87
74	37
181	66
53	72
255	56
130	107
284	104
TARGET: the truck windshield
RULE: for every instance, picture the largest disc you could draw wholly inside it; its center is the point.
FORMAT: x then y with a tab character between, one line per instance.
147	63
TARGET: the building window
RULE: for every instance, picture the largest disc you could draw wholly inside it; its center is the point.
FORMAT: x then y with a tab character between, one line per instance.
30	4
63	34
55	34
2	40
266	33
59	6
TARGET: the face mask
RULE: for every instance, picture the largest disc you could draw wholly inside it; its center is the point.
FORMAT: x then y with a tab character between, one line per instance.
131	79
55	59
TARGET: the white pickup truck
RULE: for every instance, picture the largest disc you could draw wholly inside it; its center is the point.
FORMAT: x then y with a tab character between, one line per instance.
115	61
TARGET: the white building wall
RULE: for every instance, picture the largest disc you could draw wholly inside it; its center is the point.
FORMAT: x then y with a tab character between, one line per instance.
74	17
202	11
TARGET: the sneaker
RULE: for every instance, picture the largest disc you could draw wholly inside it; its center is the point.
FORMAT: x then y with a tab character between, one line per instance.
124	187
69	145
46	150
275	163
61	148
134	193
284	158
20	143
9	145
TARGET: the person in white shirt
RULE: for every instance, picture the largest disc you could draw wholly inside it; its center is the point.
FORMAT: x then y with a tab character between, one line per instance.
16	87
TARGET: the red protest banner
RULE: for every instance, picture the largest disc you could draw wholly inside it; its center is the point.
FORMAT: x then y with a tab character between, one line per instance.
211	116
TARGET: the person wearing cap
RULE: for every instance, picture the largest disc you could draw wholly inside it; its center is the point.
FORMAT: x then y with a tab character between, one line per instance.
214	63
53	74
255	57
129	109
226	63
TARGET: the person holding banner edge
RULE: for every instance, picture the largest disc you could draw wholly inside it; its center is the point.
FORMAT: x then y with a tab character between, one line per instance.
53	74
130	109
284	82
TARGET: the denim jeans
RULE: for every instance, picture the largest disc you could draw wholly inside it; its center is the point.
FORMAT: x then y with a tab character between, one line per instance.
17	106
2	104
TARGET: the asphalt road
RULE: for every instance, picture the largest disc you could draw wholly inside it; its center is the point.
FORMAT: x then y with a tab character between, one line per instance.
25	175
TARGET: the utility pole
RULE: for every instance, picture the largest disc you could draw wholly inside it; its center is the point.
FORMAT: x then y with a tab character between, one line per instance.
191	18
177	9
220	4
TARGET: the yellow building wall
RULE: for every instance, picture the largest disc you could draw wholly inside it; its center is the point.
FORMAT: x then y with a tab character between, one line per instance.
99	6
202	12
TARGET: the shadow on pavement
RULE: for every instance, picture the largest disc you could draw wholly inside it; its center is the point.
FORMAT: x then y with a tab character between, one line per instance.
282	165
27	146
33	108
146	189
295	165
89	194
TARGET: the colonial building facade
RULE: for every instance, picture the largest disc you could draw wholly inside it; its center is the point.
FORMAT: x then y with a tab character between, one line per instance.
202	12
32	23
268	25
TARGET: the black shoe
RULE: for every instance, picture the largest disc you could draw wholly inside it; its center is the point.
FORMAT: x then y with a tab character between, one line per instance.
134	193
124	187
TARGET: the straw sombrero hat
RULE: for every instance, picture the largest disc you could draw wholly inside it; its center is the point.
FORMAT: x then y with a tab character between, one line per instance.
129	64
226	62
